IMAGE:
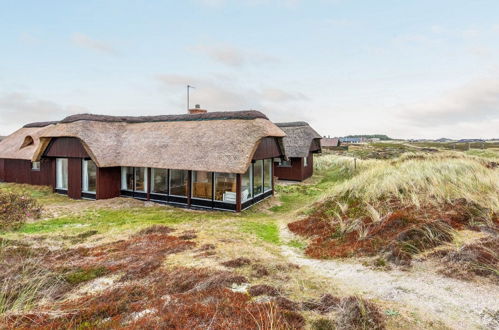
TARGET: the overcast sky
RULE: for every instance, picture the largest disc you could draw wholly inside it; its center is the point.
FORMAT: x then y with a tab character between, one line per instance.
409	69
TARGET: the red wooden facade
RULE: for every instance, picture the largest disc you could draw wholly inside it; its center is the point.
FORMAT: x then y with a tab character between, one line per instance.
108	179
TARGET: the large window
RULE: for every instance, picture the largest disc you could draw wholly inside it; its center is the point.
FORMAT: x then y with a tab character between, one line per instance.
159	184
178	182
267	174
61	173
247	184
127	178
140	179
225	187
89	170
258	177
202	184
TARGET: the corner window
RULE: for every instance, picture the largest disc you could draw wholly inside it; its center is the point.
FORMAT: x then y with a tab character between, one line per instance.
178	182
127	178
225	187
247	184
267	175
35	166
202	185
258	177
89	179
159	183
61	165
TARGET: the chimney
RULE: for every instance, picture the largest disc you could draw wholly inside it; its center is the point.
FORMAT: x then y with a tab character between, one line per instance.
197	109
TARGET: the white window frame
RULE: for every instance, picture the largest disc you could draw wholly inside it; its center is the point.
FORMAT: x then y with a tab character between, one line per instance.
59	166
84	169
305	161
124	185
36	166
135	180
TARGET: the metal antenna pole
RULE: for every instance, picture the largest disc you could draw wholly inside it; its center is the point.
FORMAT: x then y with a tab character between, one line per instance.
188	102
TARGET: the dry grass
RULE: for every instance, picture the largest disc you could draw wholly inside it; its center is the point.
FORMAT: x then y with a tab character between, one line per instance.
404	206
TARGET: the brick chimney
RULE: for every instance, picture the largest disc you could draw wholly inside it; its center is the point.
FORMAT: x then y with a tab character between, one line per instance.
197	109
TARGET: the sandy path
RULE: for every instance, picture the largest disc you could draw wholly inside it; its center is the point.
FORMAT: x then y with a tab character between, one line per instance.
459	304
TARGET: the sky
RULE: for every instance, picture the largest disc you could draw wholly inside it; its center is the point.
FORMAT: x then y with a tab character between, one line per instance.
408	69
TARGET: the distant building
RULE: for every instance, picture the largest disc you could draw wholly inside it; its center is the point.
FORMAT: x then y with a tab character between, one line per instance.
330	143
300	143
352	140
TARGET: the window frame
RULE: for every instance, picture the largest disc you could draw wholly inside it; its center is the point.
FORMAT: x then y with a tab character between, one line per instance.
57	161
153	174
212	186
34	168
170	183
84	170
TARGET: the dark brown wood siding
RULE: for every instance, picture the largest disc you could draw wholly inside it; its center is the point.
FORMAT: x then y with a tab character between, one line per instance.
66	147
74	178
19	171
268	148
108	182
308	170
2	171
297	171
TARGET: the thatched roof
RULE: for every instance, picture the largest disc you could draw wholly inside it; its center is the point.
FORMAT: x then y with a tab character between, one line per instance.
330	142
299	138
23	143
216	141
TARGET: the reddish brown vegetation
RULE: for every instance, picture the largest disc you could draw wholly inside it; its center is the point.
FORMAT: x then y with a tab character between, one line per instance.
480	258
356	313
15	209
325	304
263	289
236	263
148	296
405	232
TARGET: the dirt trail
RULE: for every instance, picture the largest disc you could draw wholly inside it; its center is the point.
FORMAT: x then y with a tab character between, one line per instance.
459	304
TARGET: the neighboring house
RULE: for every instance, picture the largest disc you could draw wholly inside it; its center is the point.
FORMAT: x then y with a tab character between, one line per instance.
300	143
330	143
352	140
220	160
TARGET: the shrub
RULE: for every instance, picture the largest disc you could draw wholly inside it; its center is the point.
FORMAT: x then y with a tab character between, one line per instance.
357	313
15	209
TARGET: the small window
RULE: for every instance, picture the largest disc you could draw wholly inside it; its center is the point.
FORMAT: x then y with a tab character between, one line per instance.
305	161
35	166
285	163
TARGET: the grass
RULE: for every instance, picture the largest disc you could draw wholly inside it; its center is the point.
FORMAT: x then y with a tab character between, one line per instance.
43	194
266	231
104	220
83	275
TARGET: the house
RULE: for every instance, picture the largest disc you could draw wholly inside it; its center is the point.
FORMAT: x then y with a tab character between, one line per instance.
219	160
330	143
300	143
352	140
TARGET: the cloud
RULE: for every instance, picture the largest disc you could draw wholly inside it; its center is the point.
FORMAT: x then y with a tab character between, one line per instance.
84	41
234	57
279	95
18	109
477	102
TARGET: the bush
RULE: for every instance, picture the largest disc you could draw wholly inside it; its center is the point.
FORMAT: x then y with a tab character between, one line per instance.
15	209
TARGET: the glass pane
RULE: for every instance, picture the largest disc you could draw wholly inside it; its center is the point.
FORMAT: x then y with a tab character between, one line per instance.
202	185
62	173
246	184
140	179
159	181
127	178
267	174
225	187
258	177
178	182
89	176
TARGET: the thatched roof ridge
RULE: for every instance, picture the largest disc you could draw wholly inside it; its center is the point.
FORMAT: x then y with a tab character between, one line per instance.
11	147
220	143
40	124
221	115
299	138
